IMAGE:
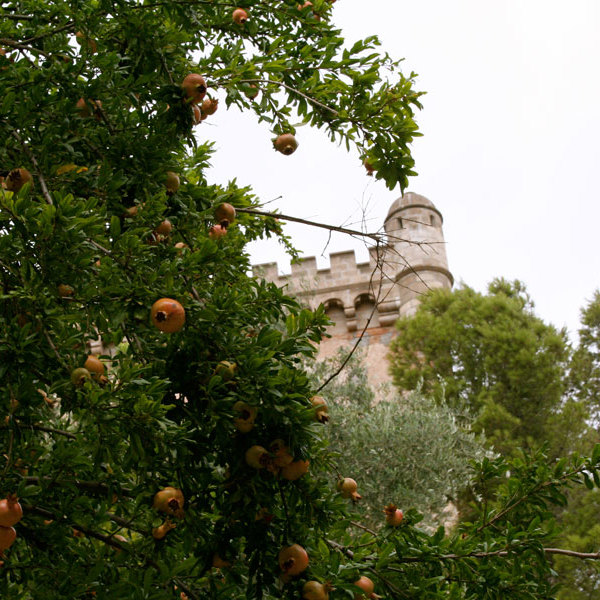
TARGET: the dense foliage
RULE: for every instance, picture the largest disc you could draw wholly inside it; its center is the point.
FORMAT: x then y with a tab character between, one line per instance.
488	354
94	109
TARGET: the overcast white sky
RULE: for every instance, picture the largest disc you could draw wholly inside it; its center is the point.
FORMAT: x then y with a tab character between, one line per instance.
510	153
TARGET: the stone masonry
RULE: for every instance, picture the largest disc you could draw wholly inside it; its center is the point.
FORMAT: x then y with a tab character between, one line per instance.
383	289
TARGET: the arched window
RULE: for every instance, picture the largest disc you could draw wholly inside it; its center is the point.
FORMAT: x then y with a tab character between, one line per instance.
364	304
335	311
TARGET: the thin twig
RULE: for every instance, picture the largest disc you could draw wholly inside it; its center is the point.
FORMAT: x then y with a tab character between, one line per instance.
18	46
294	91
44	428
69	25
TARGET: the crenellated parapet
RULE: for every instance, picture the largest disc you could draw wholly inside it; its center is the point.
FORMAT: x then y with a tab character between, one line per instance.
382	289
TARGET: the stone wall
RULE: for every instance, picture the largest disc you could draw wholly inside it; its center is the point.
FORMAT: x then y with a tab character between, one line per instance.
384	288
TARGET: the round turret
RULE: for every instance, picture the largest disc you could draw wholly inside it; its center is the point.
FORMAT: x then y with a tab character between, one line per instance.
414	229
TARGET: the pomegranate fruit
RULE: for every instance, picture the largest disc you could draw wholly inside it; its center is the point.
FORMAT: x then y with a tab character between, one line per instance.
11	511
321	410
226	370
369	167
366	585
7	537
225	214
295	470
196	115
250	90
393	515
219	563
257	457
216	232
347	488
286	143
158	533
168	315
94	365
245	422
281	453
314	590
293	559
16	179
209	107
164	228
194	86
172	182
80	376
170	501
85	111
239	16
65	291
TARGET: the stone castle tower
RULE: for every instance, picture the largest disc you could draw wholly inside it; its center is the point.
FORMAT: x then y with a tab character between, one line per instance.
388	286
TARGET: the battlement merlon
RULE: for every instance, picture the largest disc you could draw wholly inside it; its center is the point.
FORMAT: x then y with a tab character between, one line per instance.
343	270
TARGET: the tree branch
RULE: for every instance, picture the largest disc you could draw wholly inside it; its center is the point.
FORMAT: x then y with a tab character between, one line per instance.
90	486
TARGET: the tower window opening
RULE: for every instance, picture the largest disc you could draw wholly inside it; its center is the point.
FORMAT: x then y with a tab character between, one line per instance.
400	225
431	220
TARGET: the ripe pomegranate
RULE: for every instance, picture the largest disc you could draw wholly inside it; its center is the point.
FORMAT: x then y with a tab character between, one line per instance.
369	167
7	537
16	179
347	488
65	291
226	370
80	376
170	501
158	533
94	365
216	232
209	107
245	422
314	590
11	511
180	246
293	559
194	86
168	315
295	470
225	214
257	457
250	90
239	16
281	453
172	182
164	228
366	585
219	563
286	144
393	515
83	108
321	410
196	115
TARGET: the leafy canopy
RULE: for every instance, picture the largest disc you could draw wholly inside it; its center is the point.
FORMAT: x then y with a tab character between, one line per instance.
99	124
